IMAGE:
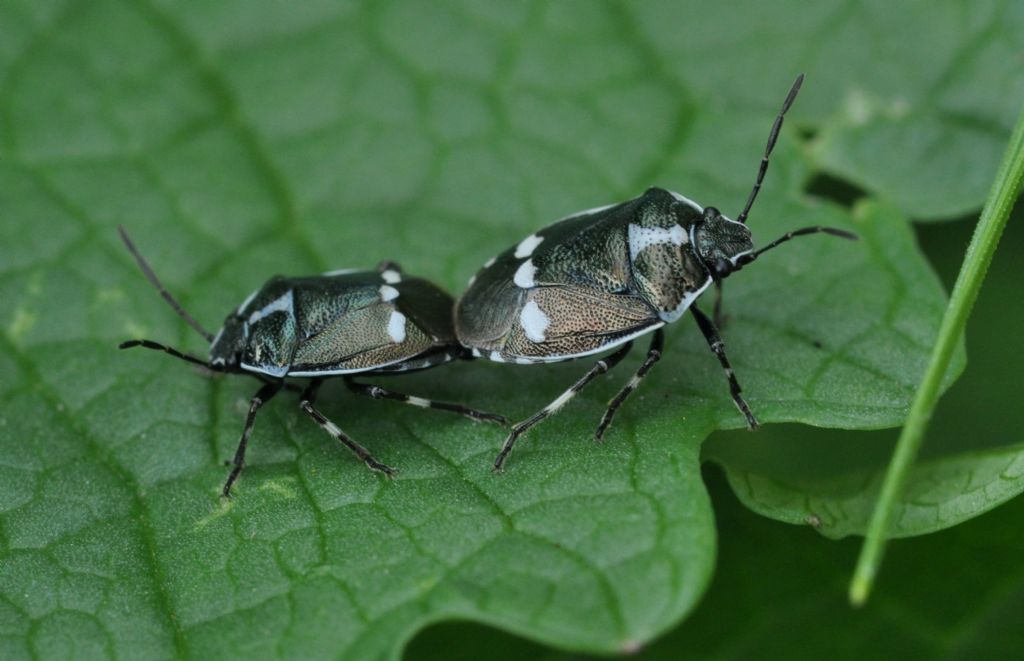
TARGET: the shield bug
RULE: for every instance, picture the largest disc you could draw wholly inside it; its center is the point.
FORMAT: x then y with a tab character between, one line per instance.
598	279
342	323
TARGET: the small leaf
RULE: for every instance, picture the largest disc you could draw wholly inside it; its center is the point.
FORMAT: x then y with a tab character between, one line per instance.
940	492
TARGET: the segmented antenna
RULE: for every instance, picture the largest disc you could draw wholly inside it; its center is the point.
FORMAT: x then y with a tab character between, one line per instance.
155	281
772	137
843	234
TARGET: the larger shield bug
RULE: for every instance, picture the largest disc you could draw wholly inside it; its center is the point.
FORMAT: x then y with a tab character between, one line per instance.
598	279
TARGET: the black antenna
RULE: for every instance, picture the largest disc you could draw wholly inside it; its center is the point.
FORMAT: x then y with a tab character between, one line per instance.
155	281
746	259
772	137
187	357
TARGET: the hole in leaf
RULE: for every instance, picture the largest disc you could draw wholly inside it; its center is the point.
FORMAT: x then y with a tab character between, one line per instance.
834	189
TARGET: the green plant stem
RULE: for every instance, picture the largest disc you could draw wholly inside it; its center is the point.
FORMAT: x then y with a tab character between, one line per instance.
994	215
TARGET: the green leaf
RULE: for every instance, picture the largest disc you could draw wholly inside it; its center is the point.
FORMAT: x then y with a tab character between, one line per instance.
238	140
914	103
837	497
956	594
970	449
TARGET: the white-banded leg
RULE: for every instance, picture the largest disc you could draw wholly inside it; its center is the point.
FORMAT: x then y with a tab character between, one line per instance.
262	396
306	404
653	355
377	392
600	367
718	347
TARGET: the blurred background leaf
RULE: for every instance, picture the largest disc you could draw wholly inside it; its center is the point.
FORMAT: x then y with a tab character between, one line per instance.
241	139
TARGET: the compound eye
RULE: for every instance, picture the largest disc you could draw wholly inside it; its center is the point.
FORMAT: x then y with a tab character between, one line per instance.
722	268
710	213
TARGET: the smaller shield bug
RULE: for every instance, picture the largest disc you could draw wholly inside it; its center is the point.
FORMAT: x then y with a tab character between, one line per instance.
342	323
598	279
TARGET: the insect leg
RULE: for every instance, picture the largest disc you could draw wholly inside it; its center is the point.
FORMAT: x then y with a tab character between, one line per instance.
718	314
653	356
377	392
150	344
306	404
718	347
262	396
519	428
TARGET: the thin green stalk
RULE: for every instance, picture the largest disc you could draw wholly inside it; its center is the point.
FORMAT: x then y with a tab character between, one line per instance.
997	209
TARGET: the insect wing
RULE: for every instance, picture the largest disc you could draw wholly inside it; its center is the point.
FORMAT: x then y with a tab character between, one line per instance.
353	323
561	322
560	293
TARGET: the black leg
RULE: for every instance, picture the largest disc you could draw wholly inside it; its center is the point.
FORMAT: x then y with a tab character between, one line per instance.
718	314
718	347
519	428
377	392
262	396
290	387
187	357
306	404
653	356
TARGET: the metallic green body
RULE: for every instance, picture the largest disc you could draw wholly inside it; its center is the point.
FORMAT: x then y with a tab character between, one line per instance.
596	279
342	323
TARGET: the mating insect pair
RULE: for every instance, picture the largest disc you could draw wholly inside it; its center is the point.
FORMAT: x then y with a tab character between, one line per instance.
592	282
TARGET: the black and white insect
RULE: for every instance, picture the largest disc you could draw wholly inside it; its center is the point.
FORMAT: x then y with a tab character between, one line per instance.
342	323
600	278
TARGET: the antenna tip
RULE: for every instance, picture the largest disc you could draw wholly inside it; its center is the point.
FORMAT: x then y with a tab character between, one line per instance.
127	240
843	234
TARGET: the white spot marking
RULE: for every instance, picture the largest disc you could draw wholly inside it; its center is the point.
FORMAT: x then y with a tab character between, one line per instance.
419	401
282	303
490	262
525	361
247	301
556	358
396	327
496	357
534	321
216	338
560	402
336	372
332	428
270	370
641	238
388	293
477	354
590	212
527	246
524	275
684	305
340	272
391	276
735	257
686	200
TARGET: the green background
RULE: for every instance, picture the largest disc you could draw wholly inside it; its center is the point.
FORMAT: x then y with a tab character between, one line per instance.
240	139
